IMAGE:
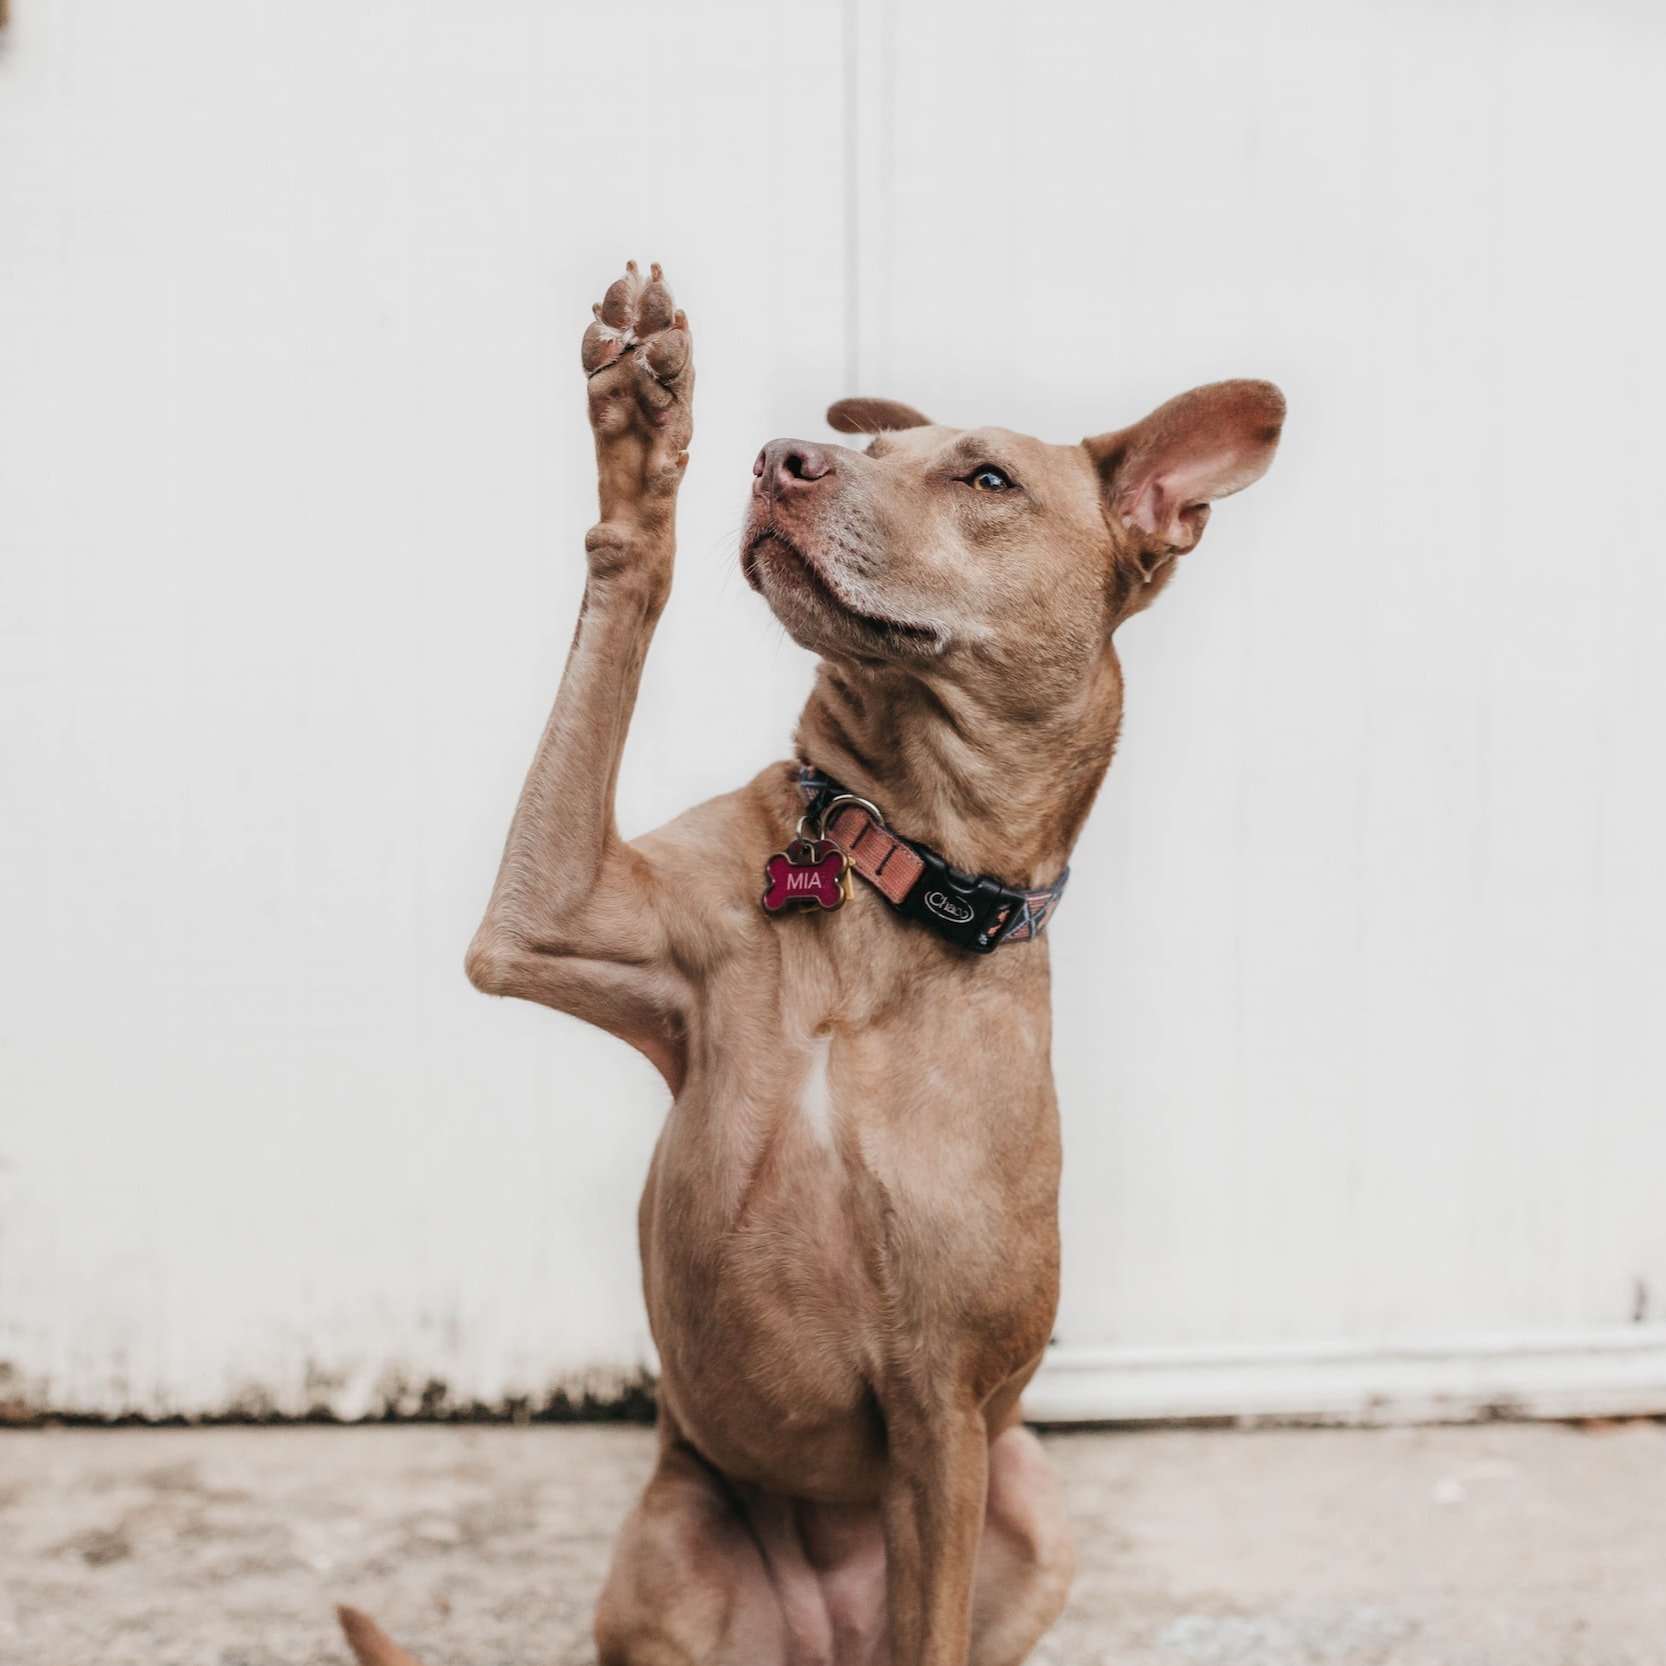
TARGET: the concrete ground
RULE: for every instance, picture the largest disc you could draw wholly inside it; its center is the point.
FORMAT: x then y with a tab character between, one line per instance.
1502	1545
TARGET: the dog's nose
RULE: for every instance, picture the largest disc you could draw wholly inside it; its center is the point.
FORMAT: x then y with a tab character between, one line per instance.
787	466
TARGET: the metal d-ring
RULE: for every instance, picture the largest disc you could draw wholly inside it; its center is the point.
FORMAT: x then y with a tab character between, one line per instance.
830	806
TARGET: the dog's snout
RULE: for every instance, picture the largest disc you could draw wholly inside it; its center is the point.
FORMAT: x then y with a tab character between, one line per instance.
787	466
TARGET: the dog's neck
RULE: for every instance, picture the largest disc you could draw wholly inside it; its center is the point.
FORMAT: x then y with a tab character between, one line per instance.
995	793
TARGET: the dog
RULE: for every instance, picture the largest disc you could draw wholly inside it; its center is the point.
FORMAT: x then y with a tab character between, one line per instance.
849	1231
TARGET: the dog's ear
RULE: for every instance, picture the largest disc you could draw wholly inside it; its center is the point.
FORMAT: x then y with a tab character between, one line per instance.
873	416
1161	475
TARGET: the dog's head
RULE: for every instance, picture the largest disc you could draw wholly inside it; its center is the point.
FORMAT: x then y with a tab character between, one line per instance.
978	553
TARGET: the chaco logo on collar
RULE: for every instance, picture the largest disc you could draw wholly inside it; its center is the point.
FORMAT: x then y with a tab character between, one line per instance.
948	908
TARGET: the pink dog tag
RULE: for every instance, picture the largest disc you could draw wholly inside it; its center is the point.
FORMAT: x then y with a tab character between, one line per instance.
809	873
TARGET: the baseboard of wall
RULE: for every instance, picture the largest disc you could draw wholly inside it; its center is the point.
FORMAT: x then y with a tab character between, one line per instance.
1581	1374
1578	1374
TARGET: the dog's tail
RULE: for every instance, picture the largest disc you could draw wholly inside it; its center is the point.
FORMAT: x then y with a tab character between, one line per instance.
371	1645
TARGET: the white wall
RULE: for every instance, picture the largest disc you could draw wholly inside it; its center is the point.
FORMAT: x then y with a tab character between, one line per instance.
1358	976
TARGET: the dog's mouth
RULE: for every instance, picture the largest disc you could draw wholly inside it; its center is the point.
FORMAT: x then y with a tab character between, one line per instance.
770	550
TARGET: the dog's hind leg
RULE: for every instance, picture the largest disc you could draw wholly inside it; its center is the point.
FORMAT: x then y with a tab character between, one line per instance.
1027	1557
689	1584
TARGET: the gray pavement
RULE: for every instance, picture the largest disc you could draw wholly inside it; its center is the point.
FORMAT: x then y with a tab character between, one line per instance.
1499	1545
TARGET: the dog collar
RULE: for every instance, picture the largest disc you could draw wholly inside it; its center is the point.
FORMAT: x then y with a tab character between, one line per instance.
972	911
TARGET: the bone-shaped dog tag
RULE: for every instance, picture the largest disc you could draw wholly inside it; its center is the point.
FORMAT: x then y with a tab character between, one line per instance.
809	873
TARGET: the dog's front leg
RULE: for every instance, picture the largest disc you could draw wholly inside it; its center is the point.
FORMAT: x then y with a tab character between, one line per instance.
577	918
936	1488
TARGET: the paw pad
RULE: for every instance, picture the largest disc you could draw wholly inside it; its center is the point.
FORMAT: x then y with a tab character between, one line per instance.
637	321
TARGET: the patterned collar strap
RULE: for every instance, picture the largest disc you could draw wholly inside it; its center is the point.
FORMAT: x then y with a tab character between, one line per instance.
971	910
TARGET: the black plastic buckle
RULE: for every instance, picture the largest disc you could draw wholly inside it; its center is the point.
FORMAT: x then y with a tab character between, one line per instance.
964	908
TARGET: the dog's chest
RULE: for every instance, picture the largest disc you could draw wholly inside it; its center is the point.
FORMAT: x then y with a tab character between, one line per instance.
834	1170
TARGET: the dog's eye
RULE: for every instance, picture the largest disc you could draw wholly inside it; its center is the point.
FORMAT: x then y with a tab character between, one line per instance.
988	479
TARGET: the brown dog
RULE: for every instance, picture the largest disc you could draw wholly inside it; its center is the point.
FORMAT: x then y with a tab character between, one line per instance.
849	1233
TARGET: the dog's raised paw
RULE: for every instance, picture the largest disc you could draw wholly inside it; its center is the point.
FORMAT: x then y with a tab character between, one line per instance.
638	355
